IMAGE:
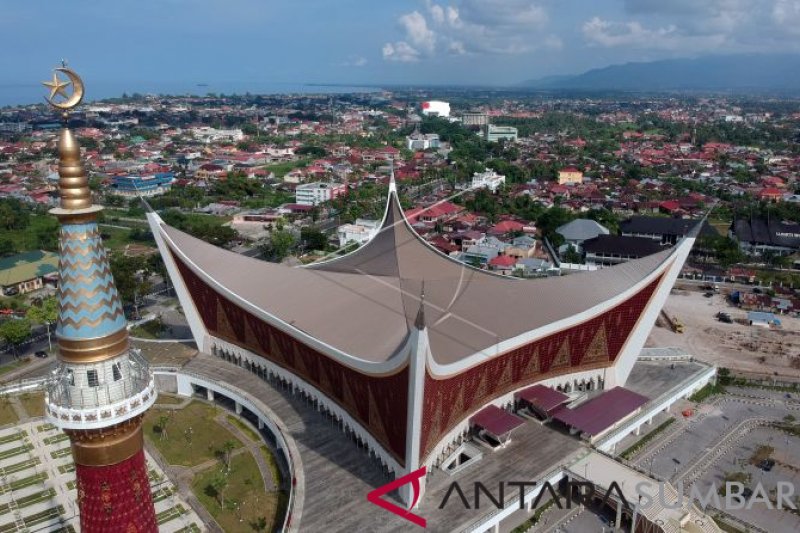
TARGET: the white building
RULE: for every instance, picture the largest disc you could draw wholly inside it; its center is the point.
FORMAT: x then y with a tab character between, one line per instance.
360	232
422	141
208	135
436	108
316	193
488	179
501	133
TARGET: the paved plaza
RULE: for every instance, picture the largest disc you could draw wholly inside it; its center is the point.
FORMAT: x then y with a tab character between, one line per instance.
37	484
720	438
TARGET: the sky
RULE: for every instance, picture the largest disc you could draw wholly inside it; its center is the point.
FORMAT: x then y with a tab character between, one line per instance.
465	42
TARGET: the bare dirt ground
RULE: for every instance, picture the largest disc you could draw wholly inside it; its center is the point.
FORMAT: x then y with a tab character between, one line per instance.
735	346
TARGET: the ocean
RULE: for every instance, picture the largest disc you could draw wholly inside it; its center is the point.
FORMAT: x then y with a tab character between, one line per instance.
12	94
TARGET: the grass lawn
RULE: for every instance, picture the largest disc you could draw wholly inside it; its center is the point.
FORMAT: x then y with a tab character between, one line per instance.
281	169
5	369
28	238
252	435
166	399
245	490
207	437
149	330
115	238
33	402
273	466
7	414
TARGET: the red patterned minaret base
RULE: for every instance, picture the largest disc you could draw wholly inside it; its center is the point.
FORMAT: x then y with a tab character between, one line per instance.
116	497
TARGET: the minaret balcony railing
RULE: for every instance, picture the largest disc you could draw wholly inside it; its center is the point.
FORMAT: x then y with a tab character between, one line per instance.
67	390
102	416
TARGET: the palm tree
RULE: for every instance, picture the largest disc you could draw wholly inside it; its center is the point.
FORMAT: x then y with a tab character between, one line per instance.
162	426
227	447
219	483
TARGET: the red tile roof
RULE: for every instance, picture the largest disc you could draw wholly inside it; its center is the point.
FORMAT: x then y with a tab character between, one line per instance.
503	261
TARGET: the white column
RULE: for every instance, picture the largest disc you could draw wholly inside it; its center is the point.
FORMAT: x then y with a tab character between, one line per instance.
419	349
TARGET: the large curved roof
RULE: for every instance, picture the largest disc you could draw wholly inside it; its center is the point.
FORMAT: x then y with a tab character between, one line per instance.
364	303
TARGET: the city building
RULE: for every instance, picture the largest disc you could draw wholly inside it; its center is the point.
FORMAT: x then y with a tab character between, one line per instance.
208	135
570	176
500	133
318	192
359	232
475	118
608	250
759	235
27	272
665	230
100	387
135	186
578	231
488	179
436	108
405	346
422	141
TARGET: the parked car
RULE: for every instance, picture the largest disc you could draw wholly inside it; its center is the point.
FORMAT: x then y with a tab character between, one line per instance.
41	354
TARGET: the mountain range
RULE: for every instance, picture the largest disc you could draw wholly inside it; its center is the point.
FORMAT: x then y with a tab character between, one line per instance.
737	73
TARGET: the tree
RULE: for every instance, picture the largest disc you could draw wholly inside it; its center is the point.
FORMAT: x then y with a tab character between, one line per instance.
279	245
13	215
313	238
131	276
45	313
7	247
550	220
227	447
163	420
259	524
15	331
217	486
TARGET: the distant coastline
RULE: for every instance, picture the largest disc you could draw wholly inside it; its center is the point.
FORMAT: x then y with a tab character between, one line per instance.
15	94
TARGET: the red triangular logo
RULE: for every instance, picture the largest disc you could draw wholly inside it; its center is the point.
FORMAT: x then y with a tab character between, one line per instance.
413	478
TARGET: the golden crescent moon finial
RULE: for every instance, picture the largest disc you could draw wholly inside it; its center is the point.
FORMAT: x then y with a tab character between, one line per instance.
58	89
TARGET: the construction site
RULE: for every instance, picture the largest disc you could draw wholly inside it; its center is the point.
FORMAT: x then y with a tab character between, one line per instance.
711	328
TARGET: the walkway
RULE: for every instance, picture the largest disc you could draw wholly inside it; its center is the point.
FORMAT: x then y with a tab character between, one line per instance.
253	447
337	473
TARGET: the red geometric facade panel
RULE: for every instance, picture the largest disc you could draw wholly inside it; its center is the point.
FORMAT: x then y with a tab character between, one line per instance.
592	344
378	403
116	498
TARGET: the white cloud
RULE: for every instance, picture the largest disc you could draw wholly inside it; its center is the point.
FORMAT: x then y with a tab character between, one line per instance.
354	61
436	11
417	31
503	13
400	51
609	34
786	14
456	48
746	25
554	42
476	26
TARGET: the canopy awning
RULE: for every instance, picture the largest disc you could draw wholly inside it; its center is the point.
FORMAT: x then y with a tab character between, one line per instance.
543	398
496	421
601	413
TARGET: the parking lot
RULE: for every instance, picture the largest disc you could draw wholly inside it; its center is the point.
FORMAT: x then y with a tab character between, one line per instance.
720	438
